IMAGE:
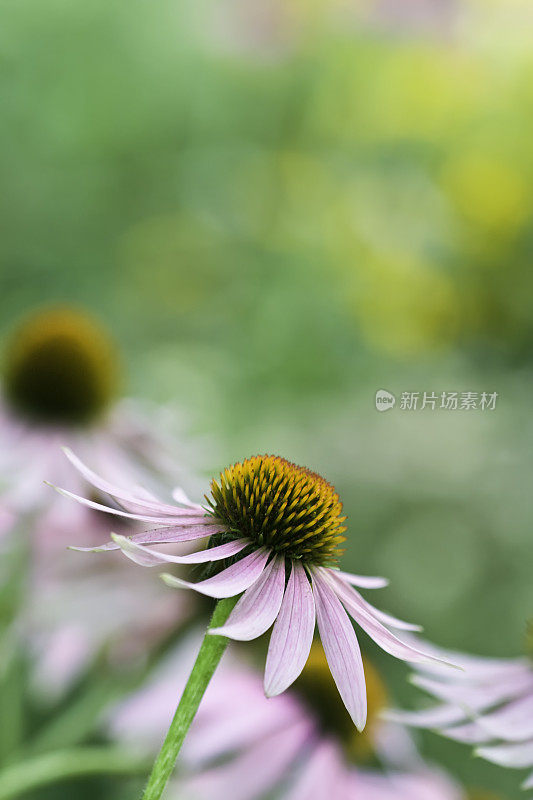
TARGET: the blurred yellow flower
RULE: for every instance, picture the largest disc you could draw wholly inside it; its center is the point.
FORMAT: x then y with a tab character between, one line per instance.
488	191
404	307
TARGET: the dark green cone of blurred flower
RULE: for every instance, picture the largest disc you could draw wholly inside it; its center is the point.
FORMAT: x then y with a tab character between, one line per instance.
60	367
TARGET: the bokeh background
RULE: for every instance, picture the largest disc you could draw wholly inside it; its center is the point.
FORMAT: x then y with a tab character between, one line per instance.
279	208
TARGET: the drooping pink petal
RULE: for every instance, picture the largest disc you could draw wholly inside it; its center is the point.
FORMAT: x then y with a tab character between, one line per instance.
378	632
382	616
129	500
513	722
513	755
217	733
362	581
426	784
468	733
181	516
437	717
292	635
258	607
342	649
475	669
371	785
231	581
321	775
391	621
147	557
258	770
182	498
475	698
172	535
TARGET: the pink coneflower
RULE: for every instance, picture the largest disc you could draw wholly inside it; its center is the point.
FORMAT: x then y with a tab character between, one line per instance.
299	745
489	704
59	386
276	528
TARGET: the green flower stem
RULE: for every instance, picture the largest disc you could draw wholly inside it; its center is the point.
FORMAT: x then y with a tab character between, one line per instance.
211	652
63	764
13	666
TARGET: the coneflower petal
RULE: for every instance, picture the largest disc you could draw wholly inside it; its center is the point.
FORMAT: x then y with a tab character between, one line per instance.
513	755
472	698
180	496
129	500
219	733
258	607
436	718
231	581
147	557
382	616
513	722
390	620
342	649
363	581
476	669
181	515
468	733
292	634
378	632
258	770
172	535
321	775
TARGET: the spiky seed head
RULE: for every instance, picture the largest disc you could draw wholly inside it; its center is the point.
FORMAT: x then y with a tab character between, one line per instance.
280	505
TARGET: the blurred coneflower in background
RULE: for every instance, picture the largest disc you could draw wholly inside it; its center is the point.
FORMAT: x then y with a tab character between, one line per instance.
299	746
489	705
60	387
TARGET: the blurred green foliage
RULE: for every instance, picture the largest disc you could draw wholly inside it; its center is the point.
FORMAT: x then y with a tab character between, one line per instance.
279	210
